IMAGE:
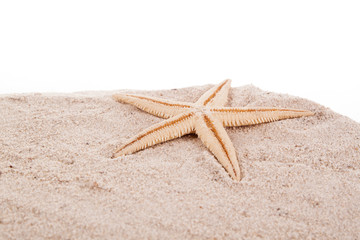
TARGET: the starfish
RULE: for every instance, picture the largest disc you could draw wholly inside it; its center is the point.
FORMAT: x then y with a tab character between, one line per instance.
207	118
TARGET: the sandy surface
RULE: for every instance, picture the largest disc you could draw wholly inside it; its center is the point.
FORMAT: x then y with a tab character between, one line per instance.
57	180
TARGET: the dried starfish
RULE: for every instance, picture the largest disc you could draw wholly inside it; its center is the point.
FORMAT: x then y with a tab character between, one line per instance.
206	117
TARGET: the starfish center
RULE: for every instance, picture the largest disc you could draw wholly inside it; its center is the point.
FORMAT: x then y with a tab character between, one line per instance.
201	110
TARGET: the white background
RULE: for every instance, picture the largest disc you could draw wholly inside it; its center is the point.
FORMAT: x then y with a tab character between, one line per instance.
304	48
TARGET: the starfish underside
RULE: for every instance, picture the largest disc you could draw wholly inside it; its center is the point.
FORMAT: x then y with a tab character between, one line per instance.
206	117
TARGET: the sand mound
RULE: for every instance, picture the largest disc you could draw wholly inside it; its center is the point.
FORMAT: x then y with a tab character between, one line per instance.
57	180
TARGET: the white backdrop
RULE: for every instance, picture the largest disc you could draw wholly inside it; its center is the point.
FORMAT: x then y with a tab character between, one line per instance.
305	48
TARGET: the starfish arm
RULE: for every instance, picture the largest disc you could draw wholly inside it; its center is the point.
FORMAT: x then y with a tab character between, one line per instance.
166	130
215	138
215	96
155	106
235	116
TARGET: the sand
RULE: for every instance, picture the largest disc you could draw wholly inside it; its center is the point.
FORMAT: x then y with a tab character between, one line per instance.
57	180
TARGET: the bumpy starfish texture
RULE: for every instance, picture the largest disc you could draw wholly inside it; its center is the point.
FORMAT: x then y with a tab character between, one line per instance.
206	117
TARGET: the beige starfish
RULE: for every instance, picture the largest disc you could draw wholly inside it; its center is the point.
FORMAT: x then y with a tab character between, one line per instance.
206	117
